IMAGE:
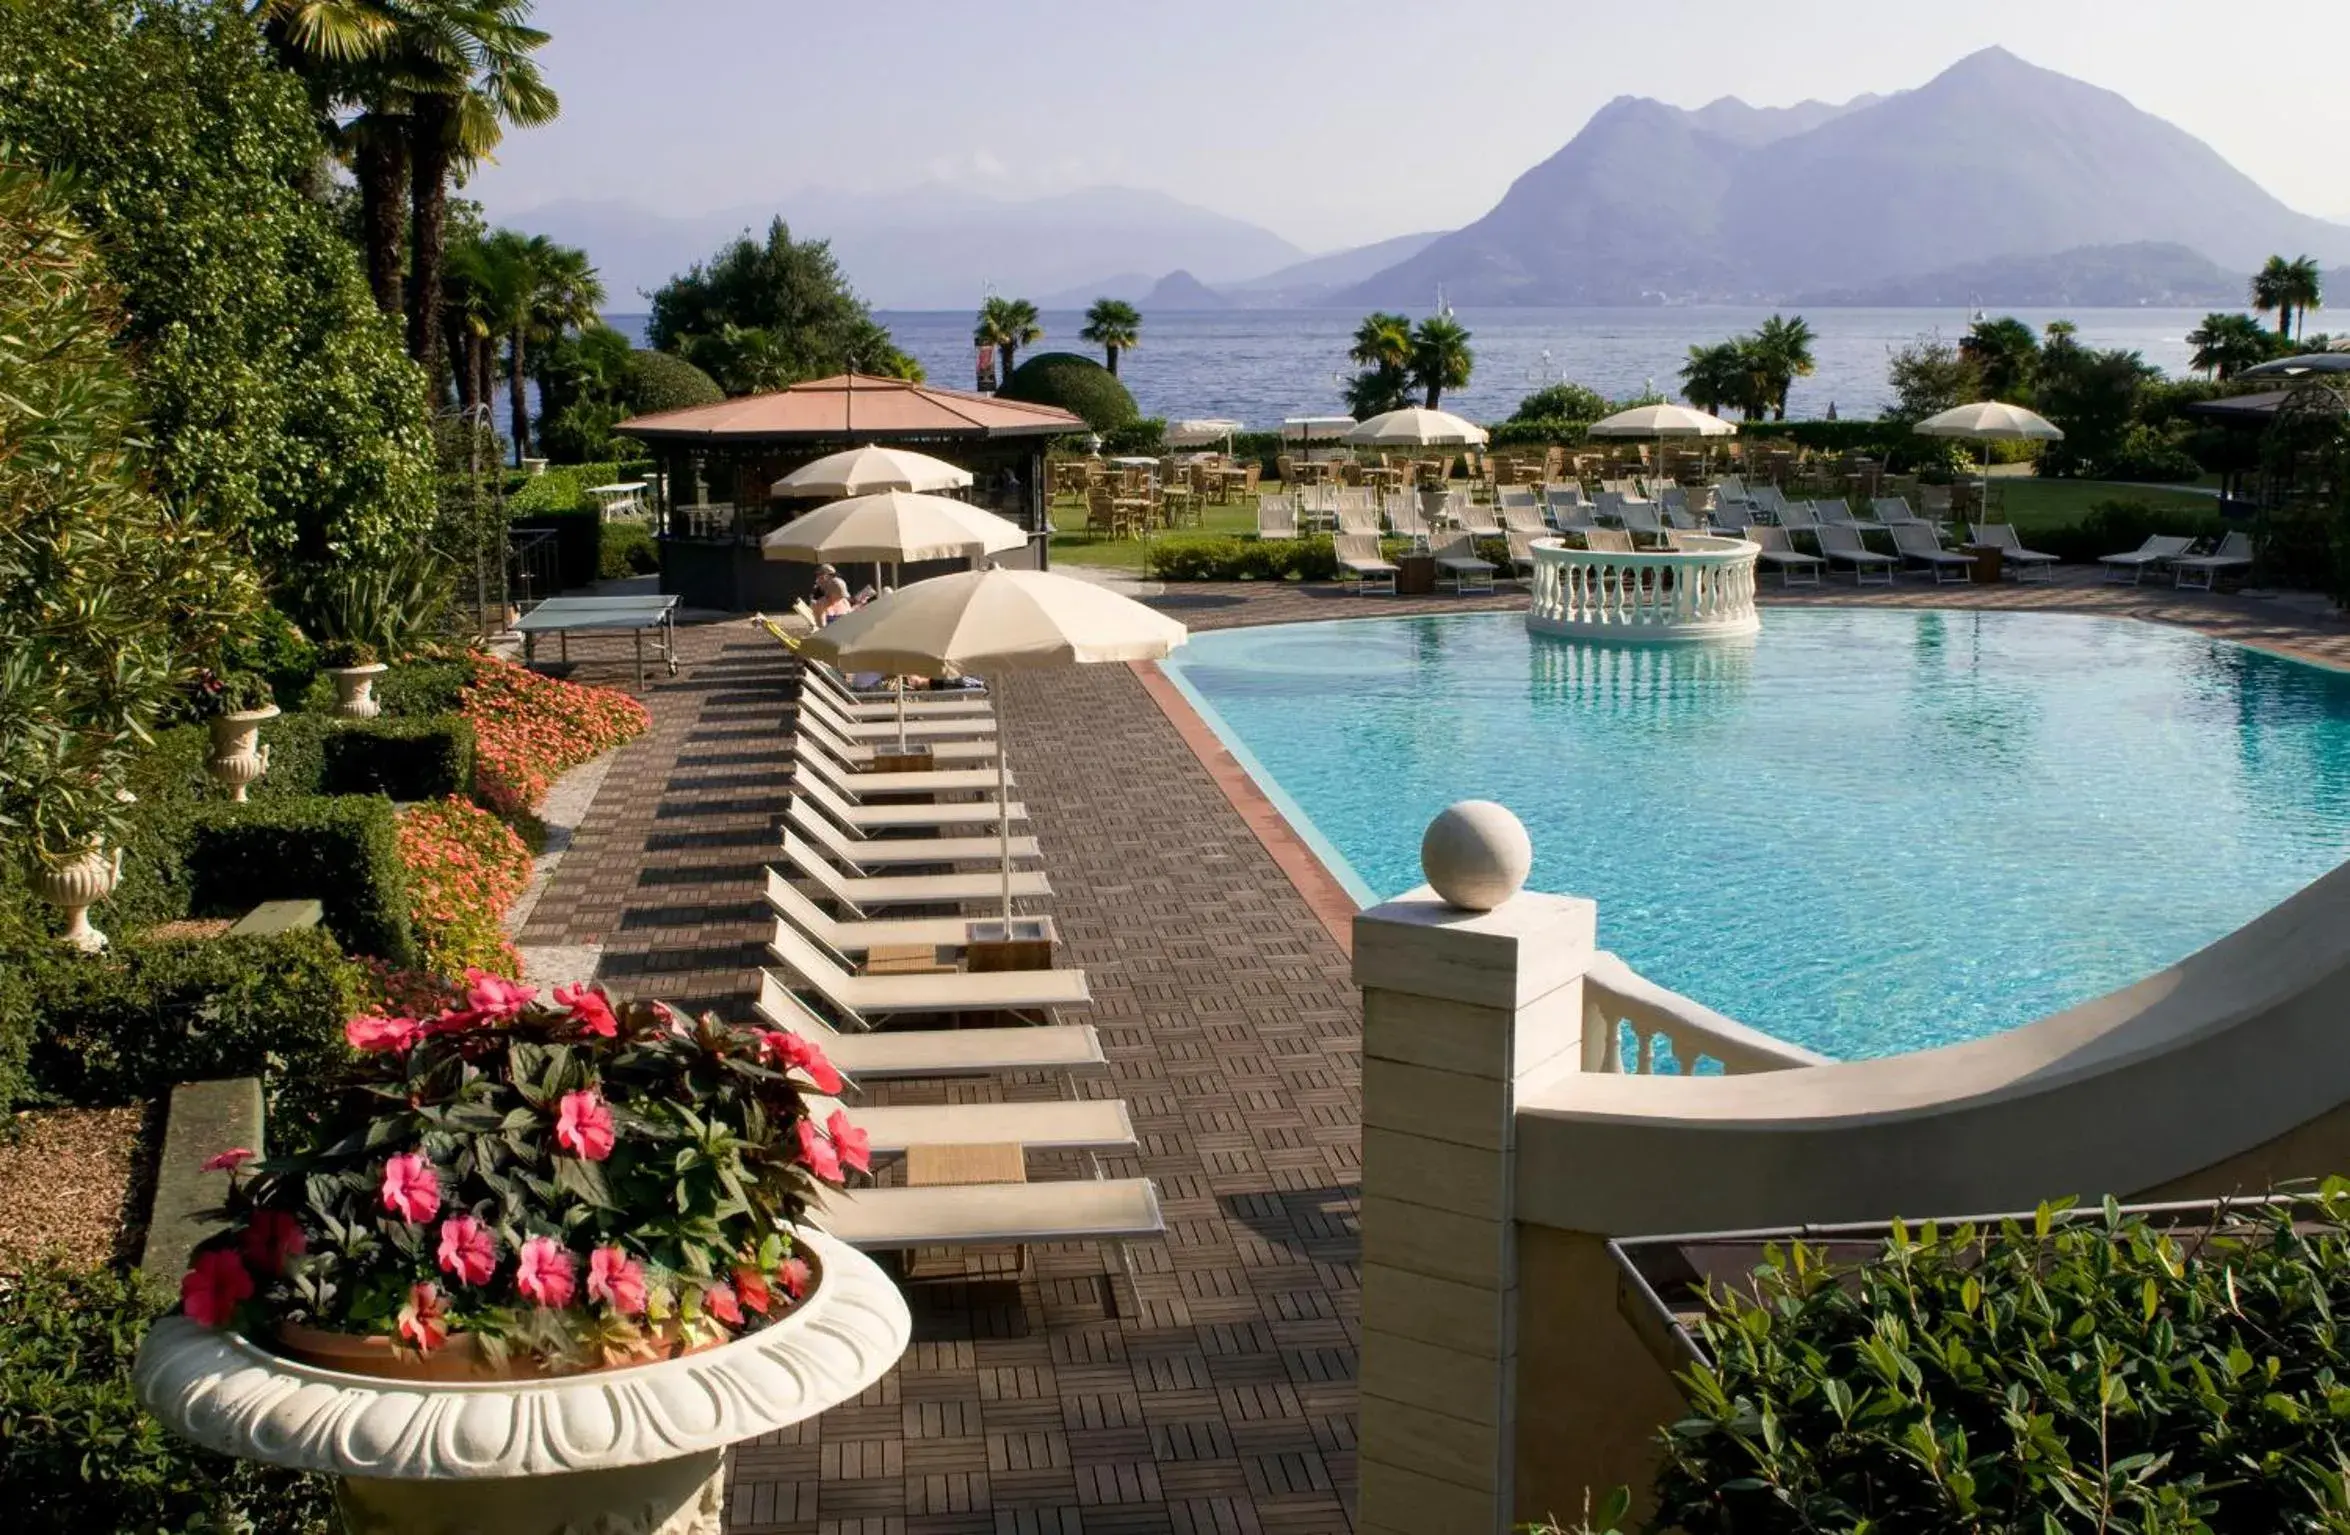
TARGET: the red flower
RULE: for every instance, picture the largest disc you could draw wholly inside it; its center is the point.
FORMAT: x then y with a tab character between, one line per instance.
750	1286
424	1321
371	1034
816	1153
584	1126
718	1300
589	1010
618	1280
495	997
796	1276
804	1055
545	1274
469	1250
227	1161
855	1148
214	1285
272	1237
411	1188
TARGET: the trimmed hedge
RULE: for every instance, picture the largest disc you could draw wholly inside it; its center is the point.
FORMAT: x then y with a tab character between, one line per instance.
402	759
627	550
424	687
130	1024
78	1453
658	381
342	851
1078	385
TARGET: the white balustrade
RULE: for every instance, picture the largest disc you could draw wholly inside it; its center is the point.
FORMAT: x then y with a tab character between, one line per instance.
1703	589
1618	1000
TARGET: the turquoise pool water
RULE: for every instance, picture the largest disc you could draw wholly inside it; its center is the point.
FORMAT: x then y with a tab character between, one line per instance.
1867	831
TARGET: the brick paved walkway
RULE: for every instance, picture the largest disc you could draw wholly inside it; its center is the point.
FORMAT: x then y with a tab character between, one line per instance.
1222	1399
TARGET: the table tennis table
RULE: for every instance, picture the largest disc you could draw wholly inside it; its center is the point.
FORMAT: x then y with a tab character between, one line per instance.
560	615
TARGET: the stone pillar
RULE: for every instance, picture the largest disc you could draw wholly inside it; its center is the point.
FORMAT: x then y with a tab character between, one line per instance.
1472	990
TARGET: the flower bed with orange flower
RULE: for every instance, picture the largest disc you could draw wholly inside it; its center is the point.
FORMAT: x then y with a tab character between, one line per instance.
558	1178
465	867
528	730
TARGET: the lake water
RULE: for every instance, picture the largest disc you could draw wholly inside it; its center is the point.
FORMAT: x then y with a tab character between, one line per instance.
1258	366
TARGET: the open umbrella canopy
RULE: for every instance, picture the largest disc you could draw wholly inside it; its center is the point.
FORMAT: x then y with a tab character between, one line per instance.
1417	427
1198	434
1990	421
895	526
863	471
1315	428
2297	366
975	623
1661	421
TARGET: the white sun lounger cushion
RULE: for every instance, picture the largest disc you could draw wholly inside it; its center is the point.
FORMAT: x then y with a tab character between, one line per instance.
820	793
864	853
855	753
993	1214
934	1052
960	992
1058	1124
857	783
791	905
860	892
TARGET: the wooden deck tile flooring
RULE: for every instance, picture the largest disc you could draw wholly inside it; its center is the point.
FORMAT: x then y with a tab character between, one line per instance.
1222	1398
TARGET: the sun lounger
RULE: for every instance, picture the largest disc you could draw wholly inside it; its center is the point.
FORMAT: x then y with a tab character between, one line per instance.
1358	520
1729	487
1062	1124
863	855
1276	517
1522	553
2003	537
958	727
1607	540
2233	554
1792	564
861	998
849	938
920	703
894	1053
1523	517
1359	554
814	728
959	700
1478	520
861	895
2157	551
1729	520
992	1214
1408	514
818	764
1640	520
861	820
1893	512
1916	541
1842	544
1456	556
1770	502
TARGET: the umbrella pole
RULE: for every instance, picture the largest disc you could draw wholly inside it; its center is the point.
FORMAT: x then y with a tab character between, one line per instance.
900	688
1003	802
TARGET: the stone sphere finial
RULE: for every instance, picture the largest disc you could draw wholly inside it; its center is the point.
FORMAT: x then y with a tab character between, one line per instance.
1476	855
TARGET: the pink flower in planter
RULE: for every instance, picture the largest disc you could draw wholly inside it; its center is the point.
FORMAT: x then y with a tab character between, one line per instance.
411	1189
228	1161
469	1250
272	1237
214	1285
618	1280
718	1301
816	1153
589	1010
584	1127
803	1055
545	1274
424	1321
374	1035
495	997
750	1287
796	1276
855	1148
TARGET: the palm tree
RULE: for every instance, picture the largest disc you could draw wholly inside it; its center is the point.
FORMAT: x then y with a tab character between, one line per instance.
2305	289
1007	324
341	51
2006	354
531	289
1382	348
2226	344
1115	326
2272	288
1440	357
1785	347
1714	376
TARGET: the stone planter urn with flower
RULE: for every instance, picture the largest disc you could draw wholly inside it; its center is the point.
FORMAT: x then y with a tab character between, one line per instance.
235	707
540	1266
354	667
76	885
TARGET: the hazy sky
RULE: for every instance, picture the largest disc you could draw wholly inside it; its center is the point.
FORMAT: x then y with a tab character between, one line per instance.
1329	123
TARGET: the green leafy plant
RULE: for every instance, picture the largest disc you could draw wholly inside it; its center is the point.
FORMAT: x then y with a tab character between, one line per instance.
560	1178
219	693
2070	1372
396	603
626	549
343	654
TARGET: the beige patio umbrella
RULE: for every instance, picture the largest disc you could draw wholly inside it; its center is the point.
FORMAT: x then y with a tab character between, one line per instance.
1987	422
987	622
863	471
894	526
1655	423
1417	427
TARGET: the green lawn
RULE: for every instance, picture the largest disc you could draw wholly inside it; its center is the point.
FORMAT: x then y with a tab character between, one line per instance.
1075	548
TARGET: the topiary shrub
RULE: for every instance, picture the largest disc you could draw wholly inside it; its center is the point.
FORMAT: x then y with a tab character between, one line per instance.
627	550
2060	1374
651	382
1237	559
424	687
341	851
401	759
1078	385
77	1451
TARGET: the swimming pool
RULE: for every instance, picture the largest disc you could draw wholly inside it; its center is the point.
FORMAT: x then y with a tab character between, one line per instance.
1866	831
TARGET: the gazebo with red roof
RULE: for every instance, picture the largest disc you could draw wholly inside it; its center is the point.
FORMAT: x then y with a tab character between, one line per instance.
719	460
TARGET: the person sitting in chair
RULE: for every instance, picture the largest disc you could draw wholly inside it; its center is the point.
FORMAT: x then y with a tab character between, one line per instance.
832	595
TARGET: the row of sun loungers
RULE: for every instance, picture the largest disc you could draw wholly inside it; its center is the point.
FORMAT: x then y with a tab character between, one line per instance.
872	890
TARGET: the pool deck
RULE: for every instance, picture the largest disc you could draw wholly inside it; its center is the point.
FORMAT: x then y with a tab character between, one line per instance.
1222	1399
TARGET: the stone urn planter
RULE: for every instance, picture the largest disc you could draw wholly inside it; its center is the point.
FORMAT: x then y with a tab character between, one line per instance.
76	887
638	1450
237	763
355	690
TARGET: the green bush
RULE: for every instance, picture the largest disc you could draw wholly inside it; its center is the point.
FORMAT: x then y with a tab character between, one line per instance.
658	381
2114	526
1078	385
1563	401
1541	432
402	759
78	1454
342	851
1243	559
628	550
2147	456
129	1024
2056	1375
424	687
1147	434
272	646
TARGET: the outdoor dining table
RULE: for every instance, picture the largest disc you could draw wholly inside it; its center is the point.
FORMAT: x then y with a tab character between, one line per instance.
560	615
